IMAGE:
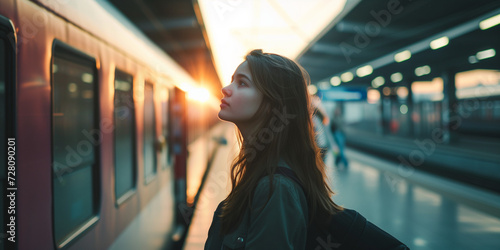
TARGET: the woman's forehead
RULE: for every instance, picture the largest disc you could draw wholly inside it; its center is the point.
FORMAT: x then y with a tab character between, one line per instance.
243	69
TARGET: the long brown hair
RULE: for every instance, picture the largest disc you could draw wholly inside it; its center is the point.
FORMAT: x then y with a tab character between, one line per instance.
284	131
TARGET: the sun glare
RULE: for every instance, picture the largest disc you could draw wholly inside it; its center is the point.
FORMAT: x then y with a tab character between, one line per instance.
198	94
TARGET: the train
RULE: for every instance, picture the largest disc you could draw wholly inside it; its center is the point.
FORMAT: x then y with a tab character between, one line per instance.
96	131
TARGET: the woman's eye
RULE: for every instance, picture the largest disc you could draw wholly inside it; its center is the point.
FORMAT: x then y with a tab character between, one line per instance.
242	84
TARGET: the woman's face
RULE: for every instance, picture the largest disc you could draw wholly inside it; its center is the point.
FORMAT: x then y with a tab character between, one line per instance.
241	98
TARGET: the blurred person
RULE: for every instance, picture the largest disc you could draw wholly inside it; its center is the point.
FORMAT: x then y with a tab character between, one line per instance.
338	137
268	102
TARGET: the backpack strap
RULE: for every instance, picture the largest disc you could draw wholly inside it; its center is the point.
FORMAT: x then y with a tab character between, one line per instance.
290	174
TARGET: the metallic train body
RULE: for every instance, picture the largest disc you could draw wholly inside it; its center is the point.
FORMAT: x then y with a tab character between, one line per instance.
34	34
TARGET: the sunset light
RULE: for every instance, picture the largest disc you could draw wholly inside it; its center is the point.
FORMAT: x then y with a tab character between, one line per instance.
198	94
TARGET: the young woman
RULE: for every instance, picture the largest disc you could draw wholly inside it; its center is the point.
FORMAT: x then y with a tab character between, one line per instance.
268	102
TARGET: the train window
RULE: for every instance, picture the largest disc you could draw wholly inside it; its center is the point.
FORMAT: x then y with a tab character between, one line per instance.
149	133
75	141
124	137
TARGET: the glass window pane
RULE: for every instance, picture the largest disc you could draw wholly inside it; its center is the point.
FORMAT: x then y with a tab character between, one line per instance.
124	134
73	113
74	146
149	133
73	201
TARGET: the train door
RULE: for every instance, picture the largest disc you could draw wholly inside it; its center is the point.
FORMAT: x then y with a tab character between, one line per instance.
7	134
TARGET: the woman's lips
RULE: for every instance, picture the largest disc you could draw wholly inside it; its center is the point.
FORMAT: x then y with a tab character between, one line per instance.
224	104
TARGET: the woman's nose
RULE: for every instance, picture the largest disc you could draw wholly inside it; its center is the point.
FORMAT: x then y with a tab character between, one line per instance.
226	91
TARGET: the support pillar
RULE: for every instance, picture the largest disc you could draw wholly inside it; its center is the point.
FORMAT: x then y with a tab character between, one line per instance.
449	115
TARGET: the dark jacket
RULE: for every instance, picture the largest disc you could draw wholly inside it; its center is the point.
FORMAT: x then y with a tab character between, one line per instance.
279	224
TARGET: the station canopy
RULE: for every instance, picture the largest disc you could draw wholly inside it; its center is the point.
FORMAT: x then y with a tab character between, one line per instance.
376	31
210	38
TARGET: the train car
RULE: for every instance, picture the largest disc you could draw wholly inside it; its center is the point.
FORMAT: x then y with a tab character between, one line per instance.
95	125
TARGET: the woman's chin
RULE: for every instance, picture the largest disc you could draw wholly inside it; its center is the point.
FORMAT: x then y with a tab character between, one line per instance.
223	117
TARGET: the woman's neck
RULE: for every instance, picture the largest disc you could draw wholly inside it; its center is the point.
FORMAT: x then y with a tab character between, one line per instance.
248	130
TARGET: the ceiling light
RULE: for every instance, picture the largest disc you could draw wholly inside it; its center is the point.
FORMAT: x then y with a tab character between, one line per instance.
335	81
402	56
347	77
423	70
490	22
439	43
364	71
396	77
378	81
481	55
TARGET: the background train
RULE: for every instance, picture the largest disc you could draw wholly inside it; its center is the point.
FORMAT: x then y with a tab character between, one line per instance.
95	131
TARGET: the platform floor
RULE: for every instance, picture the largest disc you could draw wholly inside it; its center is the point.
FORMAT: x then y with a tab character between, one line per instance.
423	211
